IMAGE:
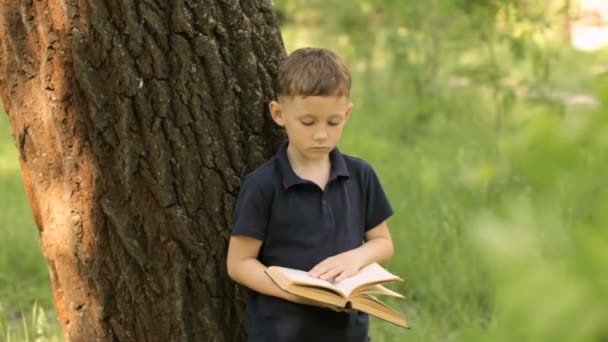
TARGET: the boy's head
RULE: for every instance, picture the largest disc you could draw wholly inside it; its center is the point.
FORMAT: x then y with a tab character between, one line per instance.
312	88
312	72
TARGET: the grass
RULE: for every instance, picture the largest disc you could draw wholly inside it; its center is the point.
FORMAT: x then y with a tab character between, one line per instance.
25	291
35	325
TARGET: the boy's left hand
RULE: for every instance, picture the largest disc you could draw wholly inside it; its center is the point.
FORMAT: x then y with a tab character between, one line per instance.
337	267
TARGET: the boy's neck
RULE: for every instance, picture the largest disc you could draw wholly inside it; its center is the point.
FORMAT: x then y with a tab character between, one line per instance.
315	170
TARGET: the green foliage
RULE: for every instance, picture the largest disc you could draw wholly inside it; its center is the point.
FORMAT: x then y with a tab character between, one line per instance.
431	46
548	247
496	179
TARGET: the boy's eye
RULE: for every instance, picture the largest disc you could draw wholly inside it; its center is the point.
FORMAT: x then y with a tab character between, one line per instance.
334	123
307	123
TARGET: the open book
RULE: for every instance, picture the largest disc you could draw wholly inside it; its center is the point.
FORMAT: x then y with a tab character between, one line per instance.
357	292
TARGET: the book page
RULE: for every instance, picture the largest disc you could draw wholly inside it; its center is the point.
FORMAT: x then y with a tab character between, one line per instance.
302	277
370	274
379	290
374	307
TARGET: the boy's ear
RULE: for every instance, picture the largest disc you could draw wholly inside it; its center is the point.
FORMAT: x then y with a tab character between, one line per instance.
276	112
349	109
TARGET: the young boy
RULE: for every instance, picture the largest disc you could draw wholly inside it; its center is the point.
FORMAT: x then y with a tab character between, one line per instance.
310	207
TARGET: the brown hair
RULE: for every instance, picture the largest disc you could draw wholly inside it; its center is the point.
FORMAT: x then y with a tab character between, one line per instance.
313	72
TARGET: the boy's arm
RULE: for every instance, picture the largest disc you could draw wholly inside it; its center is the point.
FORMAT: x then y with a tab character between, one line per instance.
378	247
247	270
244	268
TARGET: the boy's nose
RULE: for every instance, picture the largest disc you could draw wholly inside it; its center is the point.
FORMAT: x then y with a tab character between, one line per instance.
320	135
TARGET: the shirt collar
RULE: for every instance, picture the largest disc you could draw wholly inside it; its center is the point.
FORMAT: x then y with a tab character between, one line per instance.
289	177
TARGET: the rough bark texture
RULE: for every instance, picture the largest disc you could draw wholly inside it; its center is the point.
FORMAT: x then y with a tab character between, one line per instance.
135	121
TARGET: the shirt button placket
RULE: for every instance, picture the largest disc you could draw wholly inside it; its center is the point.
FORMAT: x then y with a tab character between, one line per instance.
326	213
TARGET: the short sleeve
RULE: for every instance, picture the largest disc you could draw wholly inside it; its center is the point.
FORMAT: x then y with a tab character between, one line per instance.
251	212
377	206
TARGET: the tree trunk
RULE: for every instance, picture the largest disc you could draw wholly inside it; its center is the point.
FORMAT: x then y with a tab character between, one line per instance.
135	121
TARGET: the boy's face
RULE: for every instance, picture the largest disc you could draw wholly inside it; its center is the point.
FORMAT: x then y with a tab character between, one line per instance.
314	123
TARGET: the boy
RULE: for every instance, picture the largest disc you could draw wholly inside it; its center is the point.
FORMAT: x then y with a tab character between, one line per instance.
310	207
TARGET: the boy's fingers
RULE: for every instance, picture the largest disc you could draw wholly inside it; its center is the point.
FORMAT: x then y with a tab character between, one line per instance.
331	273
328	273
320	269
315	271
343	276
346	274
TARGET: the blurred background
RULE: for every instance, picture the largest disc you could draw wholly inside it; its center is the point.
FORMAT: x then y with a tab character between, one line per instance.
486	122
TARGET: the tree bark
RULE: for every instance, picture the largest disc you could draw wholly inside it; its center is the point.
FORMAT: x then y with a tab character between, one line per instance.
135	121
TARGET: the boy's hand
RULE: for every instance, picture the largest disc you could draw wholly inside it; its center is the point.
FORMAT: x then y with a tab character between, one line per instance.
337	267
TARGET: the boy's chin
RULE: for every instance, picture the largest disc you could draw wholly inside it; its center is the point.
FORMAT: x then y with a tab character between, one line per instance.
320	150
314	153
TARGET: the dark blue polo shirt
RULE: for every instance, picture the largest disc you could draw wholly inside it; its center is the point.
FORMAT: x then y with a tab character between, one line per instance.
300	225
